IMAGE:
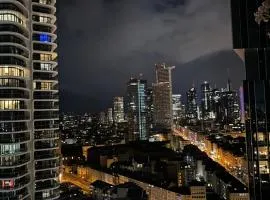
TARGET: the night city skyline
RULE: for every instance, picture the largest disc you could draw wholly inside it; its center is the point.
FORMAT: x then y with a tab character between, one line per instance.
99	49
134	99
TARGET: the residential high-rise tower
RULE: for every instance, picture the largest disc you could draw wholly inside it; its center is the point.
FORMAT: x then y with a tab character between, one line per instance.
29	138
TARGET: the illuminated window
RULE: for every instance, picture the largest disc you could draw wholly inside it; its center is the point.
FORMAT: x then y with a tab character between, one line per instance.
44	38
45	1
9	105
42	85
44	19
46	86
7	184
46	194
46	66
9	148
12	16
11	71
45	57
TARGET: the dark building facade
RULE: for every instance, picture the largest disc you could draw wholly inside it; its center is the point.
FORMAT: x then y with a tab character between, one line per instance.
252	42
191	111
136	108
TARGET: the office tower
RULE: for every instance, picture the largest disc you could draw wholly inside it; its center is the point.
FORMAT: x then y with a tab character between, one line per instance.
110	115
206	101
136	109
226	107
177	107
242	105
191	110
118	109
29	157
217	105
251	41
149	108
162	97
102	118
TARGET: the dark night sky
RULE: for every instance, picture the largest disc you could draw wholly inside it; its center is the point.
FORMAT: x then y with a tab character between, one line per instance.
104	42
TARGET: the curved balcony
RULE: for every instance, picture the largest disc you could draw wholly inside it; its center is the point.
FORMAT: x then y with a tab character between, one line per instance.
17	5
14	161
46	115
47	185
40	7
45	145
46	95
53	194
12	60
14	173
15	184
12	83
13	127
46	105
13	29
45	76
46	135
46	175
13	38
10	150
44	18
46	155
14	49
14	138
44	46
15	195
10	16
46	125
47	164
14	94
14	116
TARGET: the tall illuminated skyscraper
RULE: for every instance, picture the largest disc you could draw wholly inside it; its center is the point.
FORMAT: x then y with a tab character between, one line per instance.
137	109
191	110
29	137
251	42
118	109
206	101
162	97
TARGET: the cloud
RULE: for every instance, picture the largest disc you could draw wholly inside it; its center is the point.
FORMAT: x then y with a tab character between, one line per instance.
103	42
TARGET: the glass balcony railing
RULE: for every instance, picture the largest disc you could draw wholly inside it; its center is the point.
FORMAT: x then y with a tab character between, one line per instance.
46	185
14	160
14	138
14	195
46	164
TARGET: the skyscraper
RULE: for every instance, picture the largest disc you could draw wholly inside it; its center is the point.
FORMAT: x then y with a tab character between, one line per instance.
191	110
251	41
162	97
150	108
206	101
110	115
136	109
177	107
118	109
29	145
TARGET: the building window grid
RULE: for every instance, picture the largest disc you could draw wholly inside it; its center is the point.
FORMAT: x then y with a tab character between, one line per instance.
11	71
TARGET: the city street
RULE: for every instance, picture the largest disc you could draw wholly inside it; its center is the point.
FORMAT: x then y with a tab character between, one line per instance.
238	173
83	184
